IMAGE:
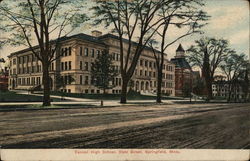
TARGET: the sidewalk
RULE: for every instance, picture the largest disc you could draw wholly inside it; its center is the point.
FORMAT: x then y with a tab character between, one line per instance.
91	102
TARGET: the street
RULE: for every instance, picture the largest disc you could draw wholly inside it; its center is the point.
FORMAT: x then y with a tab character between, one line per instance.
206	126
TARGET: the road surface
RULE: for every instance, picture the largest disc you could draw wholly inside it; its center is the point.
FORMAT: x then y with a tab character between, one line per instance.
206	126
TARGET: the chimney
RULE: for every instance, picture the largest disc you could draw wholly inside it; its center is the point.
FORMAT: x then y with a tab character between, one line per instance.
96	33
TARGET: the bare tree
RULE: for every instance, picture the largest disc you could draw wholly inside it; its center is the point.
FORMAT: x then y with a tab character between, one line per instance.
208	54
41	19
234	67
185	14
126	17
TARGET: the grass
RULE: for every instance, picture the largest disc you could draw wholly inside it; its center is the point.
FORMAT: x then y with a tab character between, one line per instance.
39	106
130	96
10	96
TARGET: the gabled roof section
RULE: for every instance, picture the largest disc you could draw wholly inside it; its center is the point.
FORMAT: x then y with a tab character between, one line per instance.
65	38
180	49
181	63
85	37
124	40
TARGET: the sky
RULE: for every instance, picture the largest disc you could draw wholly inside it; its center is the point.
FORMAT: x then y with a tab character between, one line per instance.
229	20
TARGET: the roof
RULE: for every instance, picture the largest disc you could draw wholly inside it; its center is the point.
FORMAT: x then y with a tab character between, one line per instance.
181	63
65	38
98	40
124	40
180	48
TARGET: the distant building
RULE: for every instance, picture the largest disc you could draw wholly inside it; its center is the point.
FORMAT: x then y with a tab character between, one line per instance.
4	76
183	73
78	52
221	88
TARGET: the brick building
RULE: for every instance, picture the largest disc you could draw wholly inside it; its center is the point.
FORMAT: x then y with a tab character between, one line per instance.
78	52
183	73
4	75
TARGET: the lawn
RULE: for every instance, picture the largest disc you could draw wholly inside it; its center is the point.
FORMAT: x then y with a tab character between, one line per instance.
130	96
10	96
39	106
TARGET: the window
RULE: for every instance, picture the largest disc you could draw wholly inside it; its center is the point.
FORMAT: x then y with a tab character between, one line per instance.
14	71
141	62
65	80
86	51
52	66
86	80
33	58
86	66
120	81
70	79
69	90
32	69
28	81
93	53
14	61
80	65
118	57
38	80
146	63
80	79
69	65
70	50
92	81
62	52
62	66
98	53
150	64
116	81
80	51
24	59
146	73
140	72
86	91
66	52
66	66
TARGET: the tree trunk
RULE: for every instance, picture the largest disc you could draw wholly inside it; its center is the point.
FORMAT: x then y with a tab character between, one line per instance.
159	85
46	85
229	93
208	83
124	91
209	89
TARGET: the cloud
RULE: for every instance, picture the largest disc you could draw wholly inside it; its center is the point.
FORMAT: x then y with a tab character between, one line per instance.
239	37
227	16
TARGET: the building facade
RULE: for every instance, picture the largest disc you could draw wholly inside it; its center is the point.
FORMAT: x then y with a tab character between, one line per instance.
77	54
4	75
221	88
183	73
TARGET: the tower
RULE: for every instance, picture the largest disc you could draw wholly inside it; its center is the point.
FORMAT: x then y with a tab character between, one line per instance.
180	52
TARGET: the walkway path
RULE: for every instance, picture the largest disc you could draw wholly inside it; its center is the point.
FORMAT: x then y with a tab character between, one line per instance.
84	101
